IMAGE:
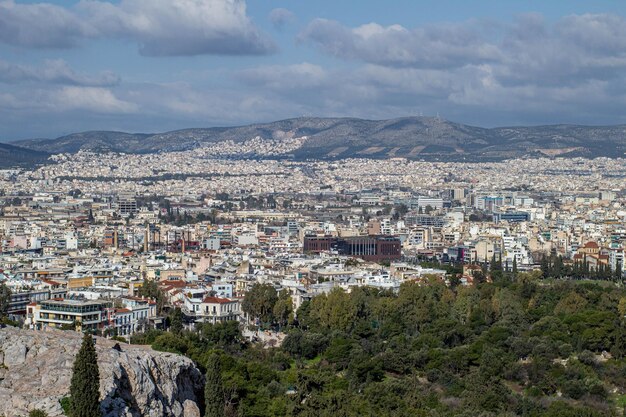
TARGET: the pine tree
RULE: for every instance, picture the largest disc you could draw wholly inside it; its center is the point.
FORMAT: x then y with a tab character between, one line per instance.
85	384
214	390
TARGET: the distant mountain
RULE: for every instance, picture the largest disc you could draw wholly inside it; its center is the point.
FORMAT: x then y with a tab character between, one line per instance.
425	138
17	157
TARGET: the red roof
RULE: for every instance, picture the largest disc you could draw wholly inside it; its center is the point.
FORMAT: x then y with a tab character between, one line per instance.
216	300
122	310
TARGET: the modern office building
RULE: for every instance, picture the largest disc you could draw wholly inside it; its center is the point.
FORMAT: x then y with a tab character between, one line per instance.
83	314
511	216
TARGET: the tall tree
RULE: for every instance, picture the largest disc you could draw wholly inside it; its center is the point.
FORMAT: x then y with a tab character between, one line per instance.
176	321
85	384
283	309
5	299
259	302
214	389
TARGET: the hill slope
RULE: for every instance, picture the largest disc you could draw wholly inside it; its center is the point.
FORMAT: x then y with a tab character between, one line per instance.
329	138
14	156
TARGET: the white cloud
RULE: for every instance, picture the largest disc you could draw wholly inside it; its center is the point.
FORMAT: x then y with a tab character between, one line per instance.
93	99
446	45
575	48
41	25
160	27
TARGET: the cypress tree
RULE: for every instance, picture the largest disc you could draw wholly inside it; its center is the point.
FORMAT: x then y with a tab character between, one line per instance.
545	267
5	299
214	390
85	384
514	265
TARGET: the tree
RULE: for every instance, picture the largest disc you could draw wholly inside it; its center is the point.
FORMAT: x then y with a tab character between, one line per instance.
283	308
150	289
259	302
514	265
176	321
85	383
214	389
621	307
5	299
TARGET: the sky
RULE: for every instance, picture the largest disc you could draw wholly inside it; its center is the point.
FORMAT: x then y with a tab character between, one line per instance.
157	65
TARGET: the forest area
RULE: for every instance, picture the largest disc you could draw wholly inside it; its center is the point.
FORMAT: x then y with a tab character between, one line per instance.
520	346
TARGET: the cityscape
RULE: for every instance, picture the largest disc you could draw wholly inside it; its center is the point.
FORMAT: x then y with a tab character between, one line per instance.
361	264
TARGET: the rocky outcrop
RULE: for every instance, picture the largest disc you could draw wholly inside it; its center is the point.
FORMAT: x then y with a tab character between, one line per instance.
36	368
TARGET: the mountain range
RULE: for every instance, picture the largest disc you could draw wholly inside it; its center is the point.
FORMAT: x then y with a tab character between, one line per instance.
422	138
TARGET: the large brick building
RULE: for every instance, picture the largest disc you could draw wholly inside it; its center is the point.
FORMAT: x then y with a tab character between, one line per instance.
369	248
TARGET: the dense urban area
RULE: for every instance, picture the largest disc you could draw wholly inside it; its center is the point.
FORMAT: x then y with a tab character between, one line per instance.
350	287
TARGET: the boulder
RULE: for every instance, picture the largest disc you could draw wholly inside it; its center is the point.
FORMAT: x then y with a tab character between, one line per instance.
36	370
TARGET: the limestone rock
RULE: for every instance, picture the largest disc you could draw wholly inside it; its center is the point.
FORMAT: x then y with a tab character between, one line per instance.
36	369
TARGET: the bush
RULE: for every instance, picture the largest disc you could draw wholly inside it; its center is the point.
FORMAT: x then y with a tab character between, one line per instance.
169	342
305	345
66	404
37	413
587	357
574	389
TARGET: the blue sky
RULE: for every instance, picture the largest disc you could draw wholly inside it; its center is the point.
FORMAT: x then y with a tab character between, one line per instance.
156	65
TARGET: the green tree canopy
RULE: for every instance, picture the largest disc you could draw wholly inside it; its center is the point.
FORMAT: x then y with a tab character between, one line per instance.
259	302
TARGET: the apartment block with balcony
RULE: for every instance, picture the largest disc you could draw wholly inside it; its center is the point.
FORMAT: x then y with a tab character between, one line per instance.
84	314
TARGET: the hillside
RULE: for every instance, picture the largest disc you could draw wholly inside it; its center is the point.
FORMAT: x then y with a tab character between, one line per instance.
332	138
13	156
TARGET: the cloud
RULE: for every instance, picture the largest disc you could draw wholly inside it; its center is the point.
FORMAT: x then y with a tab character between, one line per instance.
575	48
94	99
160	27
54	71
304	75
63	99
41	25
281	17
446	45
